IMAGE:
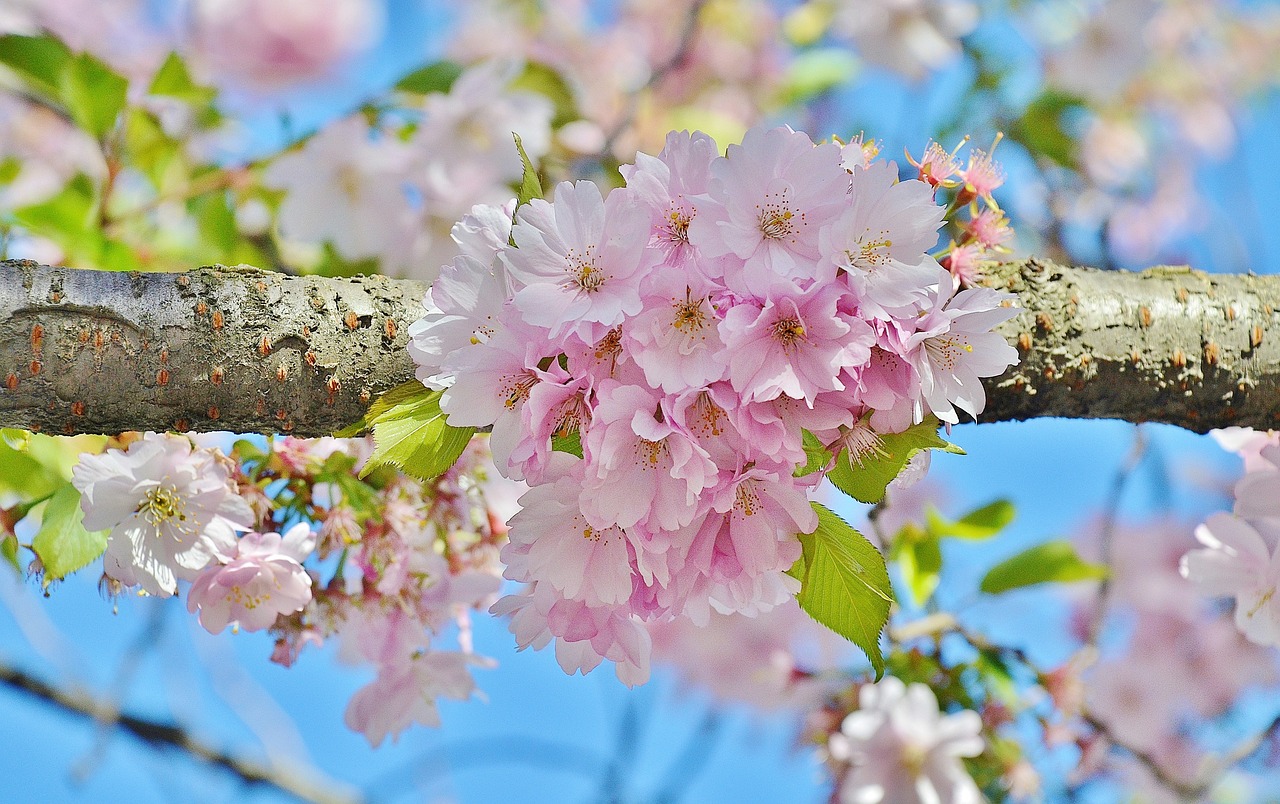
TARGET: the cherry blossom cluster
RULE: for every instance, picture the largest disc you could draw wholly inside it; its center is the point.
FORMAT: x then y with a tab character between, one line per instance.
391	191
392	565
650	359
979	229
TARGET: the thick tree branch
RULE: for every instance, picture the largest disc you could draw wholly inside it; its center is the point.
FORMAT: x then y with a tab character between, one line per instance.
212	349
167	735
253	351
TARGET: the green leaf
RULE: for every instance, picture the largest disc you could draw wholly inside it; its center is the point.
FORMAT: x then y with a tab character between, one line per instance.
1054	561
571	443
435	77
919	555
25	474
38	60
9	552
1043	127
10	169
93	93
62	543
15	439
548	82
816	455
401	394
530	185
844	584
980	523
149	148
412	435
866	477
819	70
216	222
173	80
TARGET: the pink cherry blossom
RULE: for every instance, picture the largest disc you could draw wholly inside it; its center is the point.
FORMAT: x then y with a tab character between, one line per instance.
643	468
346	187
272	42
577	261
1240	561
900	748
954	347
552	543
794	345
263	579
768	200
668	184
405	693
880	241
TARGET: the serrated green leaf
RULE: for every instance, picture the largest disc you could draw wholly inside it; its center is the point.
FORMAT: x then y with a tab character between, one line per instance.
866	478
62	543
1055	561
383	405
980	523
571	443
412	435
435	77
173	80
530	185
844	584
38	60
93	93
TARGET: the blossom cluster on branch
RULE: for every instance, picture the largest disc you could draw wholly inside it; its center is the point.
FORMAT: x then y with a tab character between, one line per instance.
290	540
685	332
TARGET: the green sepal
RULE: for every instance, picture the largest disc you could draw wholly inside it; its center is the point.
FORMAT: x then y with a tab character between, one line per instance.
1055	561
844	583
530	185
9	552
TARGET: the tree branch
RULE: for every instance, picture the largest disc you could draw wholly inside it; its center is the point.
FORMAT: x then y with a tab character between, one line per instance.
254	351
166	735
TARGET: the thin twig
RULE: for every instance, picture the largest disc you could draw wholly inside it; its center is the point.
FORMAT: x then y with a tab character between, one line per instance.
302	786
1111	513
693	758
488	750
688	35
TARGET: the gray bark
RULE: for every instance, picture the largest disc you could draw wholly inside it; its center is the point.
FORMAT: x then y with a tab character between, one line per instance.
253	351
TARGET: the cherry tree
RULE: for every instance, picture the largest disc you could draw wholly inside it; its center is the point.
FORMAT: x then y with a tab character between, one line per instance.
556	330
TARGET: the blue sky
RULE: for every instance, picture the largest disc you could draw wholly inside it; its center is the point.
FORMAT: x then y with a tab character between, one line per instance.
539	735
